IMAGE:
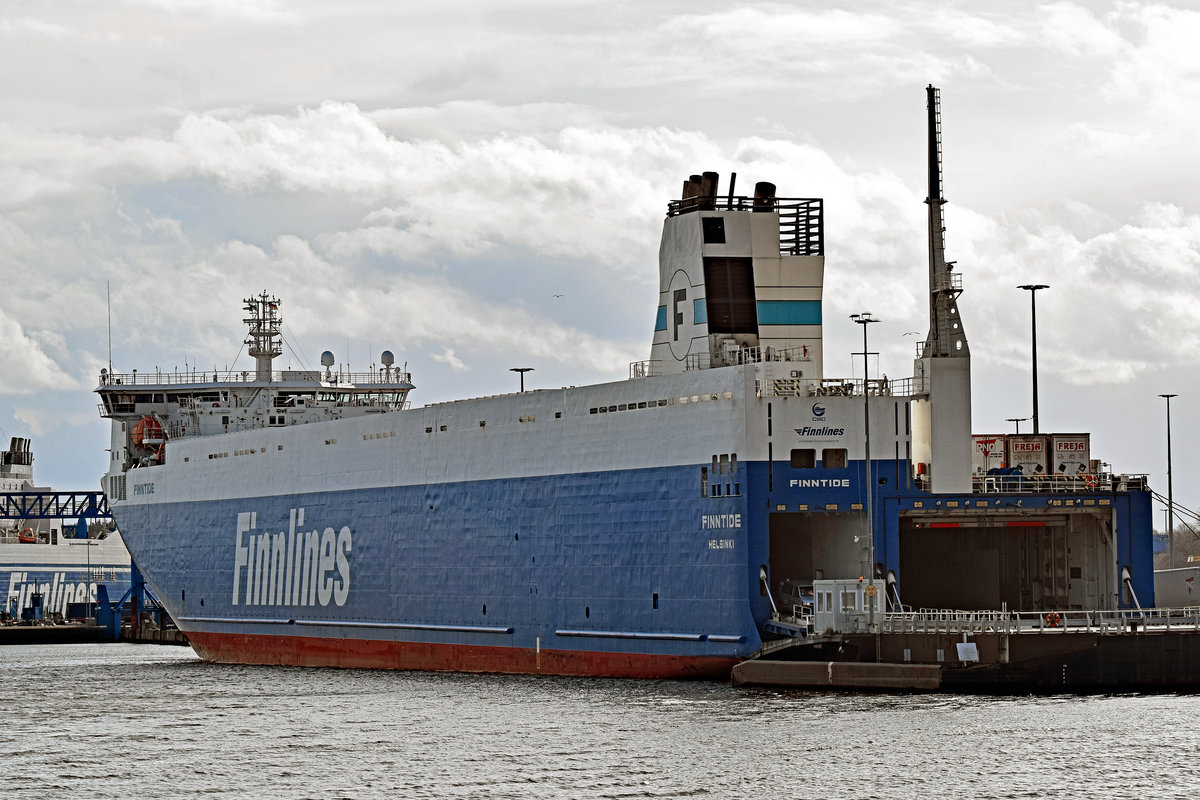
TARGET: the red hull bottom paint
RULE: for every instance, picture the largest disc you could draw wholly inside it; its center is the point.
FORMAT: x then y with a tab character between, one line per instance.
304	651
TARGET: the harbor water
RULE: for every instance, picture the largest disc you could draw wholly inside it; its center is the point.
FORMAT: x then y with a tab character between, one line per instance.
113	720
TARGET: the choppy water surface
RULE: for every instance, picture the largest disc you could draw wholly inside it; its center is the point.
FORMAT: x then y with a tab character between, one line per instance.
150	722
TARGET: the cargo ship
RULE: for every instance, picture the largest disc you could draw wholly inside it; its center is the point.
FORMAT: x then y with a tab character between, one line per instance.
51	568
669	524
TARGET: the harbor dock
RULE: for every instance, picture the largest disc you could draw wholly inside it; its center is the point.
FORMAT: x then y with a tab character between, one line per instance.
992	652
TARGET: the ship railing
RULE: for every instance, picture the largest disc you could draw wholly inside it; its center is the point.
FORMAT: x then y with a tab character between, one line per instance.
382	376
951	282
826	387
798	615
645	369
801	220
851	387
1082	483
783	387
909	387
1118	621
734	356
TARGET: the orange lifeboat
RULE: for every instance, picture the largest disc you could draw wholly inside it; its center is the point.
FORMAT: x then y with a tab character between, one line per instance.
148	434
27	536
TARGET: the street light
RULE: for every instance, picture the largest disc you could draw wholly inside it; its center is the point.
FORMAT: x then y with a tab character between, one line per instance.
522	371
1017	421
864	318
1032	288
1170	494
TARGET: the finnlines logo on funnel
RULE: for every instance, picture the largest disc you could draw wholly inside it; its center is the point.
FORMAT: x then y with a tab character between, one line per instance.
292	567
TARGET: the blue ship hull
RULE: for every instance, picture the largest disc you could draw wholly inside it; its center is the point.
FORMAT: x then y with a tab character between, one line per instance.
588	573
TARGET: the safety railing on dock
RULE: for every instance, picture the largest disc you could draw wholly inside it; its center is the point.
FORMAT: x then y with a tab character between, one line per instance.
1042	622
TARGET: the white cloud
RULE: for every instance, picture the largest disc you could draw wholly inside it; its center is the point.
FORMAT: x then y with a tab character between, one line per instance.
1077	31
258	11
41	421
25	366
447	357
23	26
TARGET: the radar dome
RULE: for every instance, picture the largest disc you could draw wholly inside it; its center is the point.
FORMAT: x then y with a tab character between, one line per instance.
327	359
387	359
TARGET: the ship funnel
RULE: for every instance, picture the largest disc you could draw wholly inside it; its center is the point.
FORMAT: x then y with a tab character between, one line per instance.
764	196
708	190
737	287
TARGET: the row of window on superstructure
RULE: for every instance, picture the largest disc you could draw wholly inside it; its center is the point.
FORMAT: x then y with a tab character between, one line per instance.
670	401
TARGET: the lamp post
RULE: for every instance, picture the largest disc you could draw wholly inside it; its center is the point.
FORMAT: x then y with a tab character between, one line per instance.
1032	288
1017	421
522	371
1170	494
864	318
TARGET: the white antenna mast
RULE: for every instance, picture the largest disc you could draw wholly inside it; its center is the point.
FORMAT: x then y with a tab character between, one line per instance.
108	295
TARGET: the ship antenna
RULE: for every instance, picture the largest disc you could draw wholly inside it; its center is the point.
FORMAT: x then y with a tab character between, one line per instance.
108	297
946	337
264	335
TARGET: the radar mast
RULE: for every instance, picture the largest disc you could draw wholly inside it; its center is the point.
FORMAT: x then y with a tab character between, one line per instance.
941	412
264	337
946	338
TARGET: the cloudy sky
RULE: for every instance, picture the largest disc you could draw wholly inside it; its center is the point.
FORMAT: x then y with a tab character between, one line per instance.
427	177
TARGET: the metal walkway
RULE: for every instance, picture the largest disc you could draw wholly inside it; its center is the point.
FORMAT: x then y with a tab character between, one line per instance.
53	505
799	630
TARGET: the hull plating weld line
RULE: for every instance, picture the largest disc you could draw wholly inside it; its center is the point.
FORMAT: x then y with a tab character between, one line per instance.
335	624
675	637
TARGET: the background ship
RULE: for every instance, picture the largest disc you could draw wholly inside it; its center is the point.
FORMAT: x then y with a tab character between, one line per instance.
50	566
725	494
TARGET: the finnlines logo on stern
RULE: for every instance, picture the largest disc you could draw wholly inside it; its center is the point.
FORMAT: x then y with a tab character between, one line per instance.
292	567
